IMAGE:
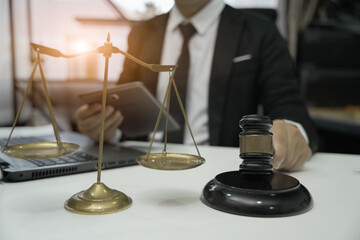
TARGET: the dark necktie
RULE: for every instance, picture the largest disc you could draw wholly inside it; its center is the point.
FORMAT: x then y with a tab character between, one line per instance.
181	79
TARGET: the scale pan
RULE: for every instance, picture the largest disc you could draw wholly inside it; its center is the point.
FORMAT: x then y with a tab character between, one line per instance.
170	161
40	150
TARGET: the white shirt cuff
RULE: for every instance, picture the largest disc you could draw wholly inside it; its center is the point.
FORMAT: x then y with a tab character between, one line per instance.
301	129
117	136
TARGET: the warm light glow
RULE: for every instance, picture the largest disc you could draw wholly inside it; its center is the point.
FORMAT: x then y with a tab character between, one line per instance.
81	46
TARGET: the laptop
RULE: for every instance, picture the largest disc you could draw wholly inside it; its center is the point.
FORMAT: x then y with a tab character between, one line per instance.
84	160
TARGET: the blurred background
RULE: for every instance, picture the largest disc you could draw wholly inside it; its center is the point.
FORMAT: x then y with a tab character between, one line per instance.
323	37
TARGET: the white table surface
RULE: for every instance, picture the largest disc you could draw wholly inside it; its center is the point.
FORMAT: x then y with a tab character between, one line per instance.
166	204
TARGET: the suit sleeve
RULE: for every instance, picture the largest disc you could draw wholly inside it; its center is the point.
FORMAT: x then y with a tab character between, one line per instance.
279	87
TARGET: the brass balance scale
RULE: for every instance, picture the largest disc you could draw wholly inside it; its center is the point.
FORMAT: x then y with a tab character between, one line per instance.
100	199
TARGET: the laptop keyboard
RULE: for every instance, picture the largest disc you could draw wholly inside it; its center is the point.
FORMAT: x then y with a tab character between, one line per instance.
78	156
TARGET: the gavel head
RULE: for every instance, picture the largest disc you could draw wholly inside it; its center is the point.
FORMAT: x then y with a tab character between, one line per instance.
256	148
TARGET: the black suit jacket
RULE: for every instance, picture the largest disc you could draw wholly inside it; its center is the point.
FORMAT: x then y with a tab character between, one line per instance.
236	88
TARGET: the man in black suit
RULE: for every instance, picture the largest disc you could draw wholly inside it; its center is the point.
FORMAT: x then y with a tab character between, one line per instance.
238	63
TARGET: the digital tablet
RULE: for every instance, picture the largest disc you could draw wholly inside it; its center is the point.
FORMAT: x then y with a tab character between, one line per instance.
138	106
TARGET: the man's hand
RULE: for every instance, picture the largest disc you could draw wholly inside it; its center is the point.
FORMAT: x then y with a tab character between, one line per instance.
291	149
88	120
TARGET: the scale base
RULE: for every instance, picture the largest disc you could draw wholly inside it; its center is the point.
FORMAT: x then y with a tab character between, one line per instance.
98	199
267	195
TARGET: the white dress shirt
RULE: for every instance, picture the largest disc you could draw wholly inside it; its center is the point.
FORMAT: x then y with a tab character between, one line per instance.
201	48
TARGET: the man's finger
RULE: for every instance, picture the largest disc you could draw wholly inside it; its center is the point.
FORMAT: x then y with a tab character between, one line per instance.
112	121
110	131
292	152
305	154
94	121
279	144
87	111
88	124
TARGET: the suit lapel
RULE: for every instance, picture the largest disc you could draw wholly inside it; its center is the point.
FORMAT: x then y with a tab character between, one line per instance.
228	36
